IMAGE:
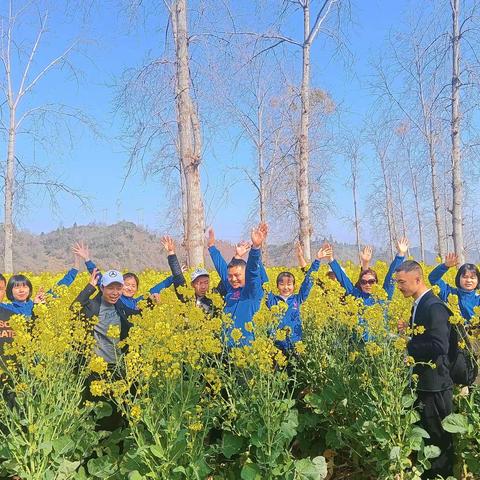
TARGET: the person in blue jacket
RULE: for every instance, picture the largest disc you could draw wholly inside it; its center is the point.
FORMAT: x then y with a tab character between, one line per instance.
19	291
291	320
131	281
244	285
467	282
368	278
241	249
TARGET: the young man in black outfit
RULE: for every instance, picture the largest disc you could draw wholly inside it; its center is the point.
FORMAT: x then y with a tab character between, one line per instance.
434	387
200	279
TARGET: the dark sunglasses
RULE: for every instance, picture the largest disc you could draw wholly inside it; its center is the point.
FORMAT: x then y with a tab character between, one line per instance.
372	281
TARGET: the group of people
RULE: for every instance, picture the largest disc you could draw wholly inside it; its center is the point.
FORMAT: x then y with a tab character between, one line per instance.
112	297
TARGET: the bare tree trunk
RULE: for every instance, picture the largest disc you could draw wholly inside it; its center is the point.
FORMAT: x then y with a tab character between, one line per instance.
355	211
388	202
437	204
262	197
189	138
9	193
417	208
303	188
457	187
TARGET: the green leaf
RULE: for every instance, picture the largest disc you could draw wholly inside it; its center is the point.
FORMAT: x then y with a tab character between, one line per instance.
455	423
315	469
395	453
100	467
61	444
408	401
135	475
431	451
289	426
250	471
231	444
157	451
102	410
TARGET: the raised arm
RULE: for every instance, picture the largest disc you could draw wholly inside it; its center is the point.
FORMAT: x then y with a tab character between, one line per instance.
302	263
241	249
366	257
435	276
253	276
218	261
388	283
84	296
81	249
174	264
307	284
341	276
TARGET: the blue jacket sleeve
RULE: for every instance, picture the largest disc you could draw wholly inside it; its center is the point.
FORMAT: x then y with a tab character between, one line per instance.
90	267
253	278
263	274
220	264
388	283
162	285
69	277
307	284
342	277
435	278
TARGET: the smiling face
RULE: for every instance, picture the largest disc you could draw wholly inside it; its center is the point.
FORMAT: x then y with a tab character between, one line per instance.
130	287
468	280
236	276
112	292
21	292
285	284
367	282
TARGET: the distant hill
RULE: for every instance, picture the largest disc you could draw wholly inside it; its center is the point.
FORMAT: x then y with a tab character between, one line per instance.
126	245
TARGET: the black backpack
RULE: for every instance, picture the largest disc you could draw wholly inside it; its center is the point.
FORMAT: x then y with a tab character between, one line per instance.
463	361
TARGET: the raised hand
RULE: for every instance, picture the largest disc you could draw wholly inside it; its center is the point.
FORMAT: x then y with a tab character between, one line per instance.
326	251
40	296
184	268
168	244
366	254
299	252
81	249
242	248
211	237
259	234
94	277
451	260
402	246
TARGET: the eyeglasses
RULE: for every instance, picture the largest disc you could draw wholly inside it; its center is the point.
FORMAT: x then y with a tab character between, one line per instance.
372	281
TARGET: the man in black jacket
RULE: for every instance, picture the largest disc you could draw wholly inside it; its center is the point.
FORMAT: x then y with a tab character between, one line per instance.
200	279
429	345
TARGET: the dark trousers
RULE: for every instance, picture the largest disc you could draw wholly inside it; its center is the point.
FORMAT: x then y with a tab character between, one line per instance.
433	408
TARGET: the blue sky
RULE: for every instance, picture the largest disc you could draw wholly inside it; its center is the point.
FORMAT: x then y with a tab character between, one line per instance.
95	165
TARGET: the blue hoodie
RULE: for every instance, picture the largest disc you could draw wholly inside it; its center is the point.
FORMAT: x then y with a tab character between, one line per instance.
131	302
292	319
467	300
26	308
241	303
367	298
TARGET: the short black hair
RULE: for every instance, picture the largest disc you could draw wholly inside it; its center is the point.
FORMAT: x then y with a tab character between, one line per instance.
467	267
283	275
237	262
16	281
132	275
410	266
3	279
